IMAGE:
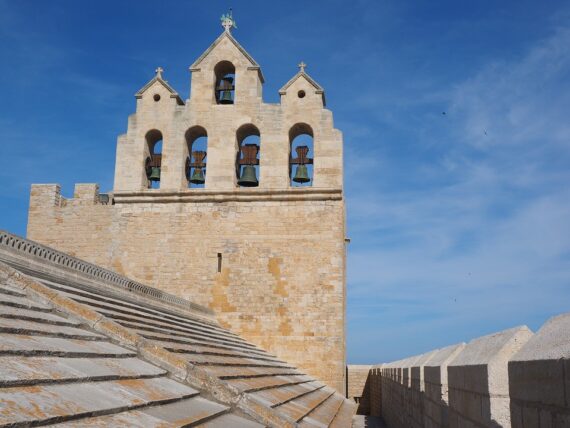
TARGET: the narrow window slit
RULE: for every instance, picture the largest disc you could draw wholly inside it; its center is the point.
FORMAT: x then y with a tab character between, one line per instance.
219	262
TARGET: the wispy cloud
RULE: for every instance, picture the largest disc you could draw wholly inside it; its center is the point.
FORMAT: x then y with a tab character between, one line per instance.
483	237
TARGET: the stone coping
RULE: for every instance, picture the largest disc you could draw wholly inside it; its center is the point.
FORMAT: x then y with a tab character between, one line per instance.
237	195
47	262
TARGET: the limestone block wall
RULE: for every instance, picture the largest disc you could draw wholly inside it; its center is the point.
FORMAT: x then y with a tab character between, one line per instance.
53	220
268	260
473	392
417	389
510	378
478	379
374	391
539	378
271	267
436	399
357	387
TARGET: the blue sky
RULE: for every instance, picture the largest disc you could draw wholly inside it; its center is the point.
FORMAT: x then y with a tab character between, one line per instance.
459	221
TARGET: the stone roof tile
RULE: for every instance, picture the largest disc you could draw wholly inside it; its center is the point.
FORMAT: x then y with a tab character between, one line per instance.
141	363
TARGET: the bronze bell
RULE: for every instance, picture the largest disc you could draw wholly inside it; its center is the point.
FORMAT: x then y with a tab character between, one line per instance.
226	88
248	178
197	176
154	174
226	97
301	175
226	84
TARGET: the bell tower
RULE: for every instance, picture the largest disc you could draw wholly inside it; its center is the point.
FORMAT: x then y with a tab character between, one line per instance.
227	201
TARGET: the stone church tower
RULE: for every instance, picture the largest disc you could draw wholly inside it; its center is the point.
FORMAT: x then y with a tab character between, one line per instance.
227	201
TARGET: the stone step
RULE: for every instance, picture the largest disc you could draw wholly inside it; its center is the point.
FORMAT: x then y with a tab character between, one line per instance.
344	415
12	290
184	413
15	344
135	306
23	302
31	315
218	360
298	408
207	350
323	415
22	371
229	373
34	328
169	338
230	421
165	330
267	382
278	396
44	404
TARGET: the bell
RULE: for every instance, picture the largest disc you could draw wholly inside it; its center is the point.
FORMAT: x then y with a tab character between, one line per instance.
226	84
226	97
301	175
248	178
154	174
197	176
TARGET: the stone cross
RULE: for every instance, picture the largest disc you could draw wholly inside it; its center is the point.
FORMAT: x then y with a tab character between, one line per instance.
302	66
228	21
159	71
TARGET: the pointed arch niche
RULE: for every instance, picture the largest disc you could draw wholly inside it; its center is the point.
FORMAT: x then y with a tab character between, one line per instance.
301	153
153	158
195	166
247	161
224	90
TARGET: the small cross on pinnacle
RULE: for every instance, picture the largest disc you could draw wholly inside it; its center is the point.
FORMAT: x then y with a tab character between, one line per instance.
301	66
158	72
228	21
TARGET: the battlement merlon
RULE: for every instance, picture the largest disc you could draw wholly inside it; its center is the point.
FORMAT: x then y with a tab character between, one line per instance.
46	196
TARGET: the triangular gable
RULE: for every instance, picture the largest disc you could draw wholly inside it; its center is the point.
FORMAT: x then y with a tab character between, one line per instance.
157	78
254	64
318	88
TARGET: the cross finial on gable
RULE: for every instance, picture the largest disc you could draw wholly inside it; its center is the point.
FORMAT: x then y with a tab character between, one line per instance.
228	21
158	72
301	66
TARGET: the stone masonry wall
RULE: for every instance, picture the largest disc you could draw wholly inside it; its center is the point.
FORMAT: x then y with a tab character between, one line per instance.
510	378
269	260
281	282
539	378
357	387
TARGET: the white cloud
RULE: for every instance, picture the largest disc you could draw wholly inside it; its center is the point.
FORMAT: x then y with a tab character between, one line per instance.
483	236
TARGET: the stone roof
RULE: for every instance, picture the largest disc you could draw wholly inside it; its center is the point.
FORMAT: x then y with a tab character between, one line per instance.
226	34
158	78
84	346
301	73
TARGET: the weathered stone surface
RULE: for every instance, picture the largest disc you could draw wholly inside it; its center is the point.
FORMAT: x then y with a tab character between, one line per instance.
194	351
436	400
478	379
358	386
281	281
539	383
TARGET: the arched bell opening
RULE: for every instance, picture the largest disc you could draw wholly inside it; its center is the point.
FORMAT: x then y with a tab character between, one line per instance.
301	155
153	159
195	166
224	92
247	161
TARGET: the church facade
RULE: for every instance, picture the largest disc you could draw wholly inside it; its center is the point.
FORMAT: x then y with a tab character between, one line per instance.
227	201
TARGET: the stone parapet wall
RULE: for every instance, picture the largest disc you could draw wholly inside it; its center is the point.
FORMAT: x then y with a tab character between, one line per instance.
374	381
510	378
478	379
539	378
357	386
